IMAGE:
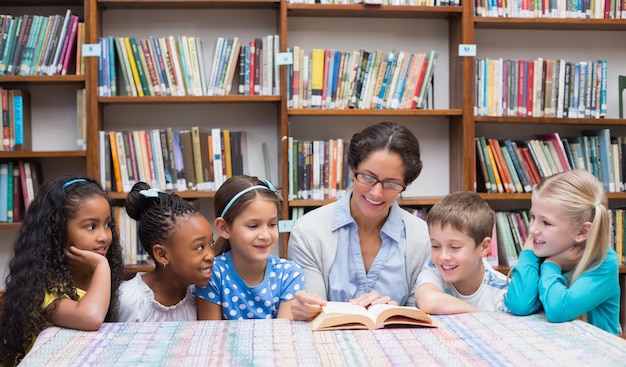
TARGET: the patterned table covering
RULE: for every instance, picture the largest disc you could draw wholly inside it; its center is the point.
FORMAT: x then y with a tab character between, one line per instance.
477	339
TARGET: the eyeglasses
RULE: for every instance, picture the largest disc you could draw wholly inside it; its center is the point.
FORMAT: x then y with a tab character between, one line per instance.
371	181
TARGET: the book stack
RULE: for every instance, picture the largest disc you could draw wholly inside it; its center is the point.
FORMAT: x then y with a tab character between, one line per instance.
540	88
171	160
40	45
16	120
506	166
173	66
318	169
19	183
334	79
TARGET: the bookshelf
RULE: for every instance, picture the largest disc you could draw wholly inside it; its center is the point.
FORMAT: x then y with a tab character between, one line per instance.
446	133
53	110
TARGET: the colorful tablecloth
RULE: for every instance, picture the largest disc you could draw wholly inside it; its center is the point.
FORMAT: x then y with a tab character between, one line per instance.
478	339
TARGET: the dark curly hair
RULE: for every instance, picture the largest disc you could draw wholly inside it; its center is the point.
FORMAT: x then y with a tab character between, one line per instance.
234	186
156	214
38	264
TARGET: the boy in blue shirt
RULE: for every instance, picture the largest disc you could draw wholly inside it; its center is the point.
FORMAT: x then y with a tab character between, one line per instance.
458	278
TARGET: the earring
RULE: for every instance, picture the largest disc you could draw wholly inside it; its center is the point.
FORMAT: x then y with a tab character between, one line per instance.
164	264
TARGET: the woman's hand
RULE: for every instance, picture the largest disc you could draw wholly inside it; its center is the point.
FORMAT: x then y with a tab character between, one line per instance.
372	298
306	305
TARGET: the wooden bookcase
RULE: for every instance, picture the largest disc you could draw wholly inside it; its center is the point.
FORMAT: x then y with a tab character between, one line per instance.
446	133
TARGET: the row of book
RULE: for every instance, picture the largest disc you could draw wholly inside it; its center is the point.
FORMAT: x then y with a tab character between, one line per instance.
19	182
41	45
512	229
581	9
334	79
540	88
16	121
318	169
516	166
171	160
382	2
132	251
174	66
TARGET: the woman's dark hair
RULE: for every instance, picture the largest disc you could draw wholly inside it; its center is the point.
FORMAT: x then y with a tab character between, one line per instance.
232	187
38	264
388	136
156	212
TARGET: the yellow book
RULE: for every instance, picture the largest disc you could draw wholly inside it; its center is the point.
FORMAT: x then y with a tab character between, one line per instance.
494	168
317	77
228	161
116	162
133	66
344	315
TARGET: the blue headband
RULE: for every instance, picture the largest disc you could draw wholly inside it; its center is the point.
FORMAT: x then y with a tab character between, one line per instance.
268	186
71	182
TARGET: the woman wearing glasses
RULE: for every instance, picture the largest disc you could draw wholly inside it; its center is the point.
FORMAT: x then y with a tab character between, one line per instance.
364	248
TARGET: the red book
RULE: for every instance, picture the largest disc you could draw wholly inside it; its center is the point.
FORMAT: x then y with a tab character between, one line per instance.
507	182
521	100
530	163
18	200
530	91
325	85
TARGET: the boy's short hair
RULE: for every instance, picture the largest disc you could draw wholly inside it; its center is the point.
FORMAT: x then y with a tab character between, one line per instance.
466	212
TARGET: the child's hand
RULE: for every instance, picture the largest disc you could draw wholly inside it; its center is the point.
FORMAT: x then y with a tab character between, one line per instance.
528	245
83	261
306	305
567	259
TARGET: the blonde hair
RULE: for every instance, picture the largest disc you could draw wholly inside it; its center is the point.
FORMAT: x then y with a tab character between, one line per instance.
582	198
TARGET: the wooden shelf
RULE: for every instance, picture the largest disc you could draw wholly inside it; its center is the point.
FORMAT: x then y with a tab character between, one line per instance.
43	154
551	23
11	225
373	112
188	4
371	11
136	268
412	201
43	79
190	195
189	99
549	120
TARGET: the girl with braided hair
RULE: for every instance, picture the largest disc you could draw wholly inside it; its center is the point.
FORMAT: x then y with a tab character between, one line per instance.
66	266
180	241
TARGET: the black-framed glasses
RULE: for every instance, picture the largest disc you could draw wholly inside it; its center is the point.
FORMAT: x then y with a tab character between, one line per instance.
371	181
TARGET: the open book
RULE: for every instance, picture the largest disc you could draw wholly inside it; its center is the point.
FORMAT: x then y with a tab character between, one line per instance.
344	315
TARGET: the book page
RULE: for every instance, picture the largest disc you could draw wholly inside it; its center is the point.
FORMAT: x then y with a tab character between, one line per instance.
389	314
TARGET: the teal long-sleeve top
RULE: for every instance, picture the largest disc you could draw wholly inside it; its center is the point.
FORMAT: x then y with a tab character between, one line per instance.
536	284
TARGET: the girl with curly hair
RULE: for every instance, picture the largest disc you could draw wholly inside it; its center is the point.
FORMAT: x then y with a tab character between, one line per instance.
66	266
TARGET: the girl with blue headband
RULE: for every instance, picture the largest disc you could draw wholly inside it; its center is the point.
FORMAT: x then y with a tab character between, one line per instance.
248	282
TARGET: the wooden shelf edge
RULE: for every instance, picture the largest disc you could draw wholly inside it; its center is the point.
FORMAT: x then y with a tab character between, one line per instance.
549	120
43	154
183	194
550	23
43	79
371	11
374	112
137	268
408	201
188	4
9	225
188	99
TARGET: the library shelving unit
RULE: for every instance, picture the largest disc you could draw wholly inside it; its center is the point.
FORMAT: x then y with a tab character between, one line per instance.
53	106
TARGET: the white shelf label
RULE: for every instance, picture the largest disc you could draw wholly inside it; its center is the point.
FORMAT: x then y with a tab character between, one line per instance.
284	58
467	50
91	49
284	226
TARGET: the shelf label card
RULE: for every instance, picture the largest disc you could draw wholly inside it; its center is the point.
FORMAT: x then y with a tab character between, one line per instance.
91	50
284	58
467	50
284	226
